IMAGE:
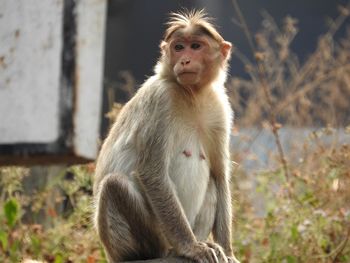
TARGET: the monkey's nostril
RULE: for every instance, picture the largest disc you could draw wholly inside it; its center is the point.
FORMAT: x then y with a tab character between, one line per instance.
185	62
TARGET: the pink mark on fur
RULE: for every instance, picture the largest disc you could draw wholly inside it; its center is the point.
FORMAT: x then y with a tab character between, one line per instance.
187	153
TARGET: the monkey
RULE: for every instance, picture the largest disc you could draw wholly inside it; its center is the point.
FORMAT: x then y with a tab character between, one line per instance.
161	184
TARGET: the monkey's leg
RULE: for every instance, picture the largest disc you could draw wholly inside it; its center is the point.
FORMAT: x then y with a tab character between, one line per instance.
205	219
126	228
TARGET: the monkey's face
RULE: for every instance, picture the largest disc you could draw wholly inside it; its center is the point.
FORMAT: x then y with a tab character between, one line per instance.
192	59
193	56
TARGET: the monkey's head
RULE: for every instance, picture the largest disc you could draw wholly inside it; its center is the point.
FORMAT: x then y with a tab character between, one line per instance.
193	52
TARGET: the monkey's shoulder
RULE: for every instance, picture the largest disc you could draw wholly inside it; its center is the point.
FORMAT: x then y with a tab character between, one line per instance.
152	96
222	112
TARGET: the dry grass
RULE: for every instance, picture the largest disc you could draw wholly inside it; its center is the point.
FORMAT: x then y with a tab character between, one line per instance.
315	92
299	210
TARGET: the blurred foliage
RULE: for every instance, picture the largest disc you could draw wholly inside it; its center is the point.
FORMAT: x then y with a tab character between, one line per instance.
299	211
68	237
278	85
306	218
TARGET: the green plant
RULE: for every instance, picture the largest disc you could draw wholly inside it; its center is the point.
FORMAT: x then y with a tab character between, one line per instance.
313	226
68	237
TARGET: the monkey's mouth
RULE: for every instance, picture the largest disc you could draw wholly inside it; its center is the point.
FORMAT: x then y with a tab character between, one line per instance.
187	72
187	78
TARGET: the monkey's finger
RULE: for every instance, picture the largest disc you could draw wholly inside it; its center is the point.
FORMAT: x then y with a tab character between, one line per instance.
212	256
207	255
202	255
218	251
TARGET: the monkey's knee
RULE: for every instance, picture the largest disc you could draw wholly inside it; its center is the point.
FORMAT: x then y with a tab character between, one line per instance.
125	197
112	225
130	231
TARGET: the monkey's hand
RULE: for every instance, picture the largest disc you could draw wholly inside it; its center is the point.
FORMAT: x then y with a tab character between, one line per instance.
200	252
219	252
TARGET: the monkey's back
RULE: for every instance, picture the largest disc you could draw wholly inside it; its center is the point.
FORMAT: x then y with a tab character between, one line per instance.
136	122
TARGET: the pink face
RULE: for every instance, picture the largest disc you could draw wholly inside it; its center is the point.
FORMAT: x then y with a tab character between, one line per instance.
190	59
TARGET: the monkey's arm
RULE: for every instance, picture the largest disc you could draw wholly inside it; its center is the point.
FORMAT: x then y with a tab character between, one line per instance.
155	181
153	176
223	218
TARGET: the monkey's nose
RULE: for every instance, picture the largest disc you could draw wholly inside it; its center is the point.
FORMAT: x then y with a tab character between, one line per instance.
185	62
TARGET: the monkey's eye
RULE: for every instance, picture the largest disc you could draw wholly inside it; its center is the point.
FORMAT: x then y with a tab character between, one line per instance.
178	47
195	46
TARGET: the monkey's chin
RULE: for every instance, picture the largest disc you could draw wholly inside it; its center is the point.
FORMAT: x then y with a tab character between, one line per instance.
188	79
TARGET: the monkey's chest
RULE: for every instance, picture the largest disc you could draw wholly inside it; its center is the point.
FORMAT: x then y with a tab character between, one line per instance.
189	171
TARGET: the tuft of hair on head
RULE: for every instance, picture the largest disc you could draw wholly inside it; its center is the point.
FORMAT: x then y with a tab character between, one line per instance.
190	18
187	17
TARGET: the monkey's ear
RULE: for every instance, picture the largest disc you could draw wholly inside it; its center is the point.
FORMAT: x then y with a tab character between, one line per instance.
163	45
226	49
